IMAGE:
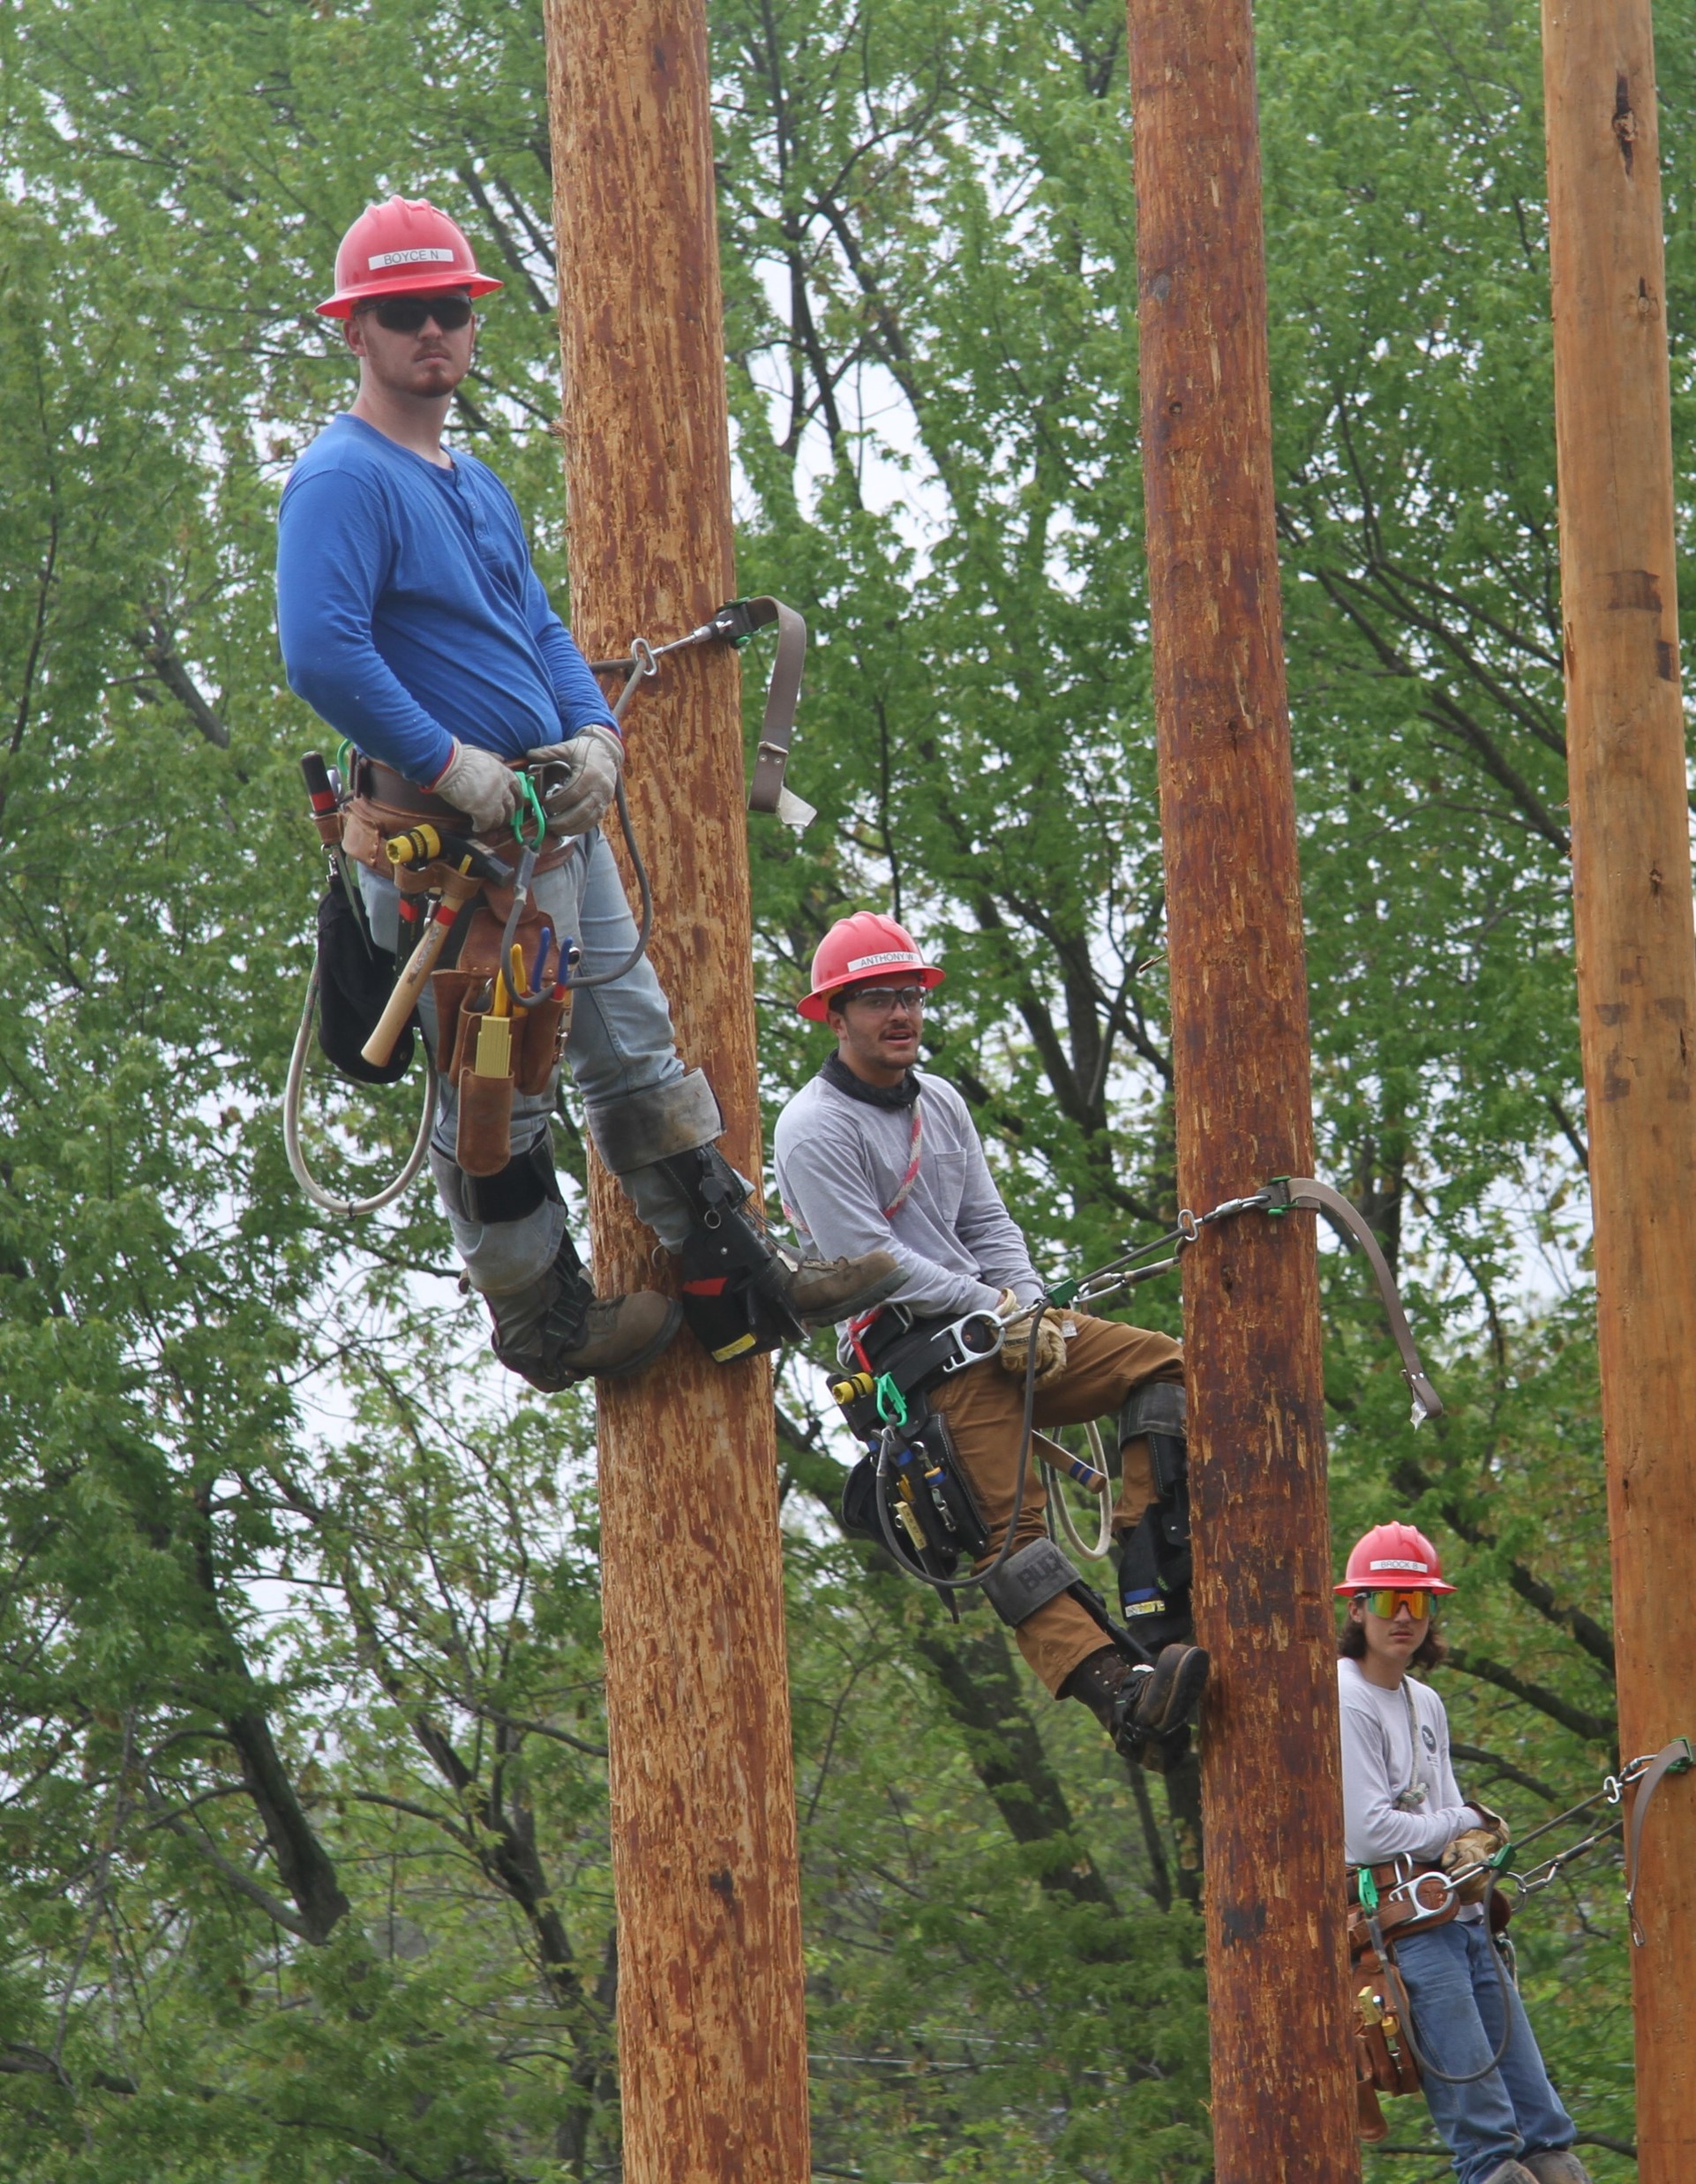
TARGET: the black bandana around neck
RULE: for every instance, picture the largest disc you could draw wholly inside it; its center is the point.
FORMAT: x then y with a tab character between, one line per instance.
837	1072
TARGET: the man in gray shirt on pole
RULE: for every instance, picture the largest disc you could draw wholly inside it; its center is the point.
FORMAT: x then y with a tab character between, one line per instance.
871	1157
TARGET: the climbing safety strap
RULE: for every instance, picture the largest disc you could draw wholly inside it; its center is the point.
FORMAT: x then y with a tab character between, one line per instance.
735	623
1672	1759
1284	1192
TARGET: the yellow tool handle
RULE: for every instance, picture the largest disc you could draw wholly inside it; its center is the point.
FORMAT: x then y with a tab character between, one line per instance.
494	1055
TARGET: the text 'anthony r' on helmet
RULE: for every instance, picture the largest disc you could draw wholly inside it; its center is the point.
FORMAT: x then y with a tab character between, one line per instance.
866	946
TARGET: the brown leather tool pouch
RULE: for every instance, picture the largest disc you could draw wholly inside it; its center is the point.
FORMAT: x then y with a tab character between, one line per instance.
485	1142
541	1042
449	990
1370	2122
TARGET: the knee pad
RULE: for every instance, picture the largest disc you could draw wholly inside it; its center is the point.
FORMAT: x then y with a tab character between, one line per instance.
527	1182
1028	1580
1158	1411
647	1128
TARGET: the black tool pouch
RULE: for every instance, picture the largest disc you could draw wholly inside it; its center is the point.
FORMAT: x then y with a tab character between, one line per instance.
355	979
924	1490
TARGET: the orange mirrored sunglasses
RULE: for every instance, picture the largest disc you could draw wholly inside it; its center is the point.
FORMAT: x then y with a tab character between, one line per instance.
1386	1601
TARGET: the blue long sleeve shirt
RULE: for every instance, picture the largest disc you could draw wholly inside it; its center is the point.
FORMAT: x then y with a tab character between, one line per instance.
409	611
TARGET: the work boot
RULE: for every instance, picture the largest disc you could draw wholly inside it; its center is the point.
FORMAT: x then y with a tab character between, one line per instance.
820	1291
556	1331
1144	1710
1511	2172
1170	1692
1560	2167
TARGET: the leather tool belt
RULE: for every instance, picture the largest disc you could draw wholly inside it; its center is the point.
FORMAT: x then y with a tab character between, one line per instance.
383	803
1411	1900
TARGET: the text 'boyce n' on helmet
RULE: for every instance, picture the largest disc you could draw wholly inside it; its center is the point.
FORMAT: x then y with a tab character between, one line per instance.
1393	1556
858	950
402	247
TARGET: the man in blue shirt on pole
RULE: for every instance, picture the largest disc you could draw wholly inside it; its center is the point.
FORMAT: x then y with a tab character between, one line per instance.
412	622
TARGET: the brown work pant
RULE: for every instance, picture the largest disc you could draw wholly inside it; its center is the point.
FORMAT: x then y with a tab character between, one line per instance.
985	1409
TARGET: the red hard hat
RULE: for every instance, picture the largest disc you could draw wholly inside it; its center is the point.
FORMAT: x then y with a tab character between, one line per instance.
864	946
405	247
1393	1555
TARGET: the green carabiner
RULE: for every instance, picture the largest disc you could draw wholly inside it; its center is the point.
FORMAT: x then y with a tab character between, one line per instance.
344	751
891	1408
530	806
1368	1889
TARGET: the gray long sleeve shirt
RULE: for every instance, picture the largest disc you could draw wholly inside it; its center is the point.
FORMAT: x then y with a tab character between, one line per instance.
1380	1763
840	1161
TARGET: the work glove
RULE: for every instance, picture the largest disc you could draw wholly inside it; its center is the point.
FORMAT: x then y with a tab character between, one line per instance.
478	784
1475	1846
595	755
1044	1331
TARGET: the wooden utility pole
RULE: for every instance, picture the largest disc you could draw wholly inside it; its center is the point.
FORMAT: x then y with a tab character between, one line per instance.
712	2025
1283	2101
1636	949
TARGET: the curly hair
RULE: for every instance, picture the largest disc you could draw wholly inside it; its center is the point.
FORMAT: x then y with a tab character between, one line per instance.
1431	1649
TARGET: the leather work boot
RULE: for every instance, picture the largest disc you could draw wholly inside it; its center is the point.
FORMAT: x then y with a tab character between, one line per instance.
1144	1710
556	1331
1563	2167
820	1291
1170	1692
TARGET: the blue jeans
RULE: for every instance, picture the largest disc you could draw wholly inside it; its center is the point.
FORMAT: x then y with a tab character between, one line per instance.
620	1041
1451	1975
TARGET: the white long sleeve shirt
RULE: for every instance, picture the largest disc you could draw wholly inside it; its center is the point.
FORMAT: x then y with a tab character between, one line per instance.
1383	1761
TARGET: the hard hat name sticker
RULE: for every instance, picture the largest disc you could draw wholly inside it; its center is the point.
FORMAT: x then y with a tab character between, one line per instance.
424	255
890	954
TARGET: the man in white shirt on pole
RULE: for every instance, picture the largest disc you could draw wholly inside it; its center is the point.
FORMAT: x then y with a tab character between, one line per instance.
1502	2124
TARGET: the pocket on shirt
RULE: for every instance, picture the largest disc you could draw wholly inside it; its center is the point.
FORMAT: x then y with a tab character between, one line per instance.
943	1173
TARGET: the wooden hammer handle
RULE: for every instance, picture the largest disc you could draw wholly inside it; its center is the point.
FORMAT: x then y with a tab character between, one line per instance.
457	890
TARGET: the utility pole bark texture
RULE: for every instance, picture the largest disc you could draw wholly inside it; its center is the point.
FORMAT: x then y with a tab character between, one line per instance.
711	2024
1636	951
1283	2101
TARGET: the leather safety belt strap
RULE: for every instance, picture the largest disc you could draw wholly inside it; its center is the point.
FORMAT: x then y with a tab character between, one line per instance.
1672	1759
1305	1191
737	621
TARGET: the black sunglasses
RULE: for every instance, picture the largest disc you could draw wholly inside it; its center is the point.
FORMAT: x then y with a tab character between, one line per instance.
409	314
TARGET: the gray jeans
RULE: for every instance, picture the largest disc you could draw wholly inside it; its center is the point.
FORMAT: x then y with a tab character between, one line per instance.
620	1042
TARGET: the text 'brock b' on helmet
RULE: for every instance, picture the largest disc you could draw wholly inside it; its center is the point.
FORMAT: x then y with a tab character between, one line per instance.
864	948
404	247
1393	1555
